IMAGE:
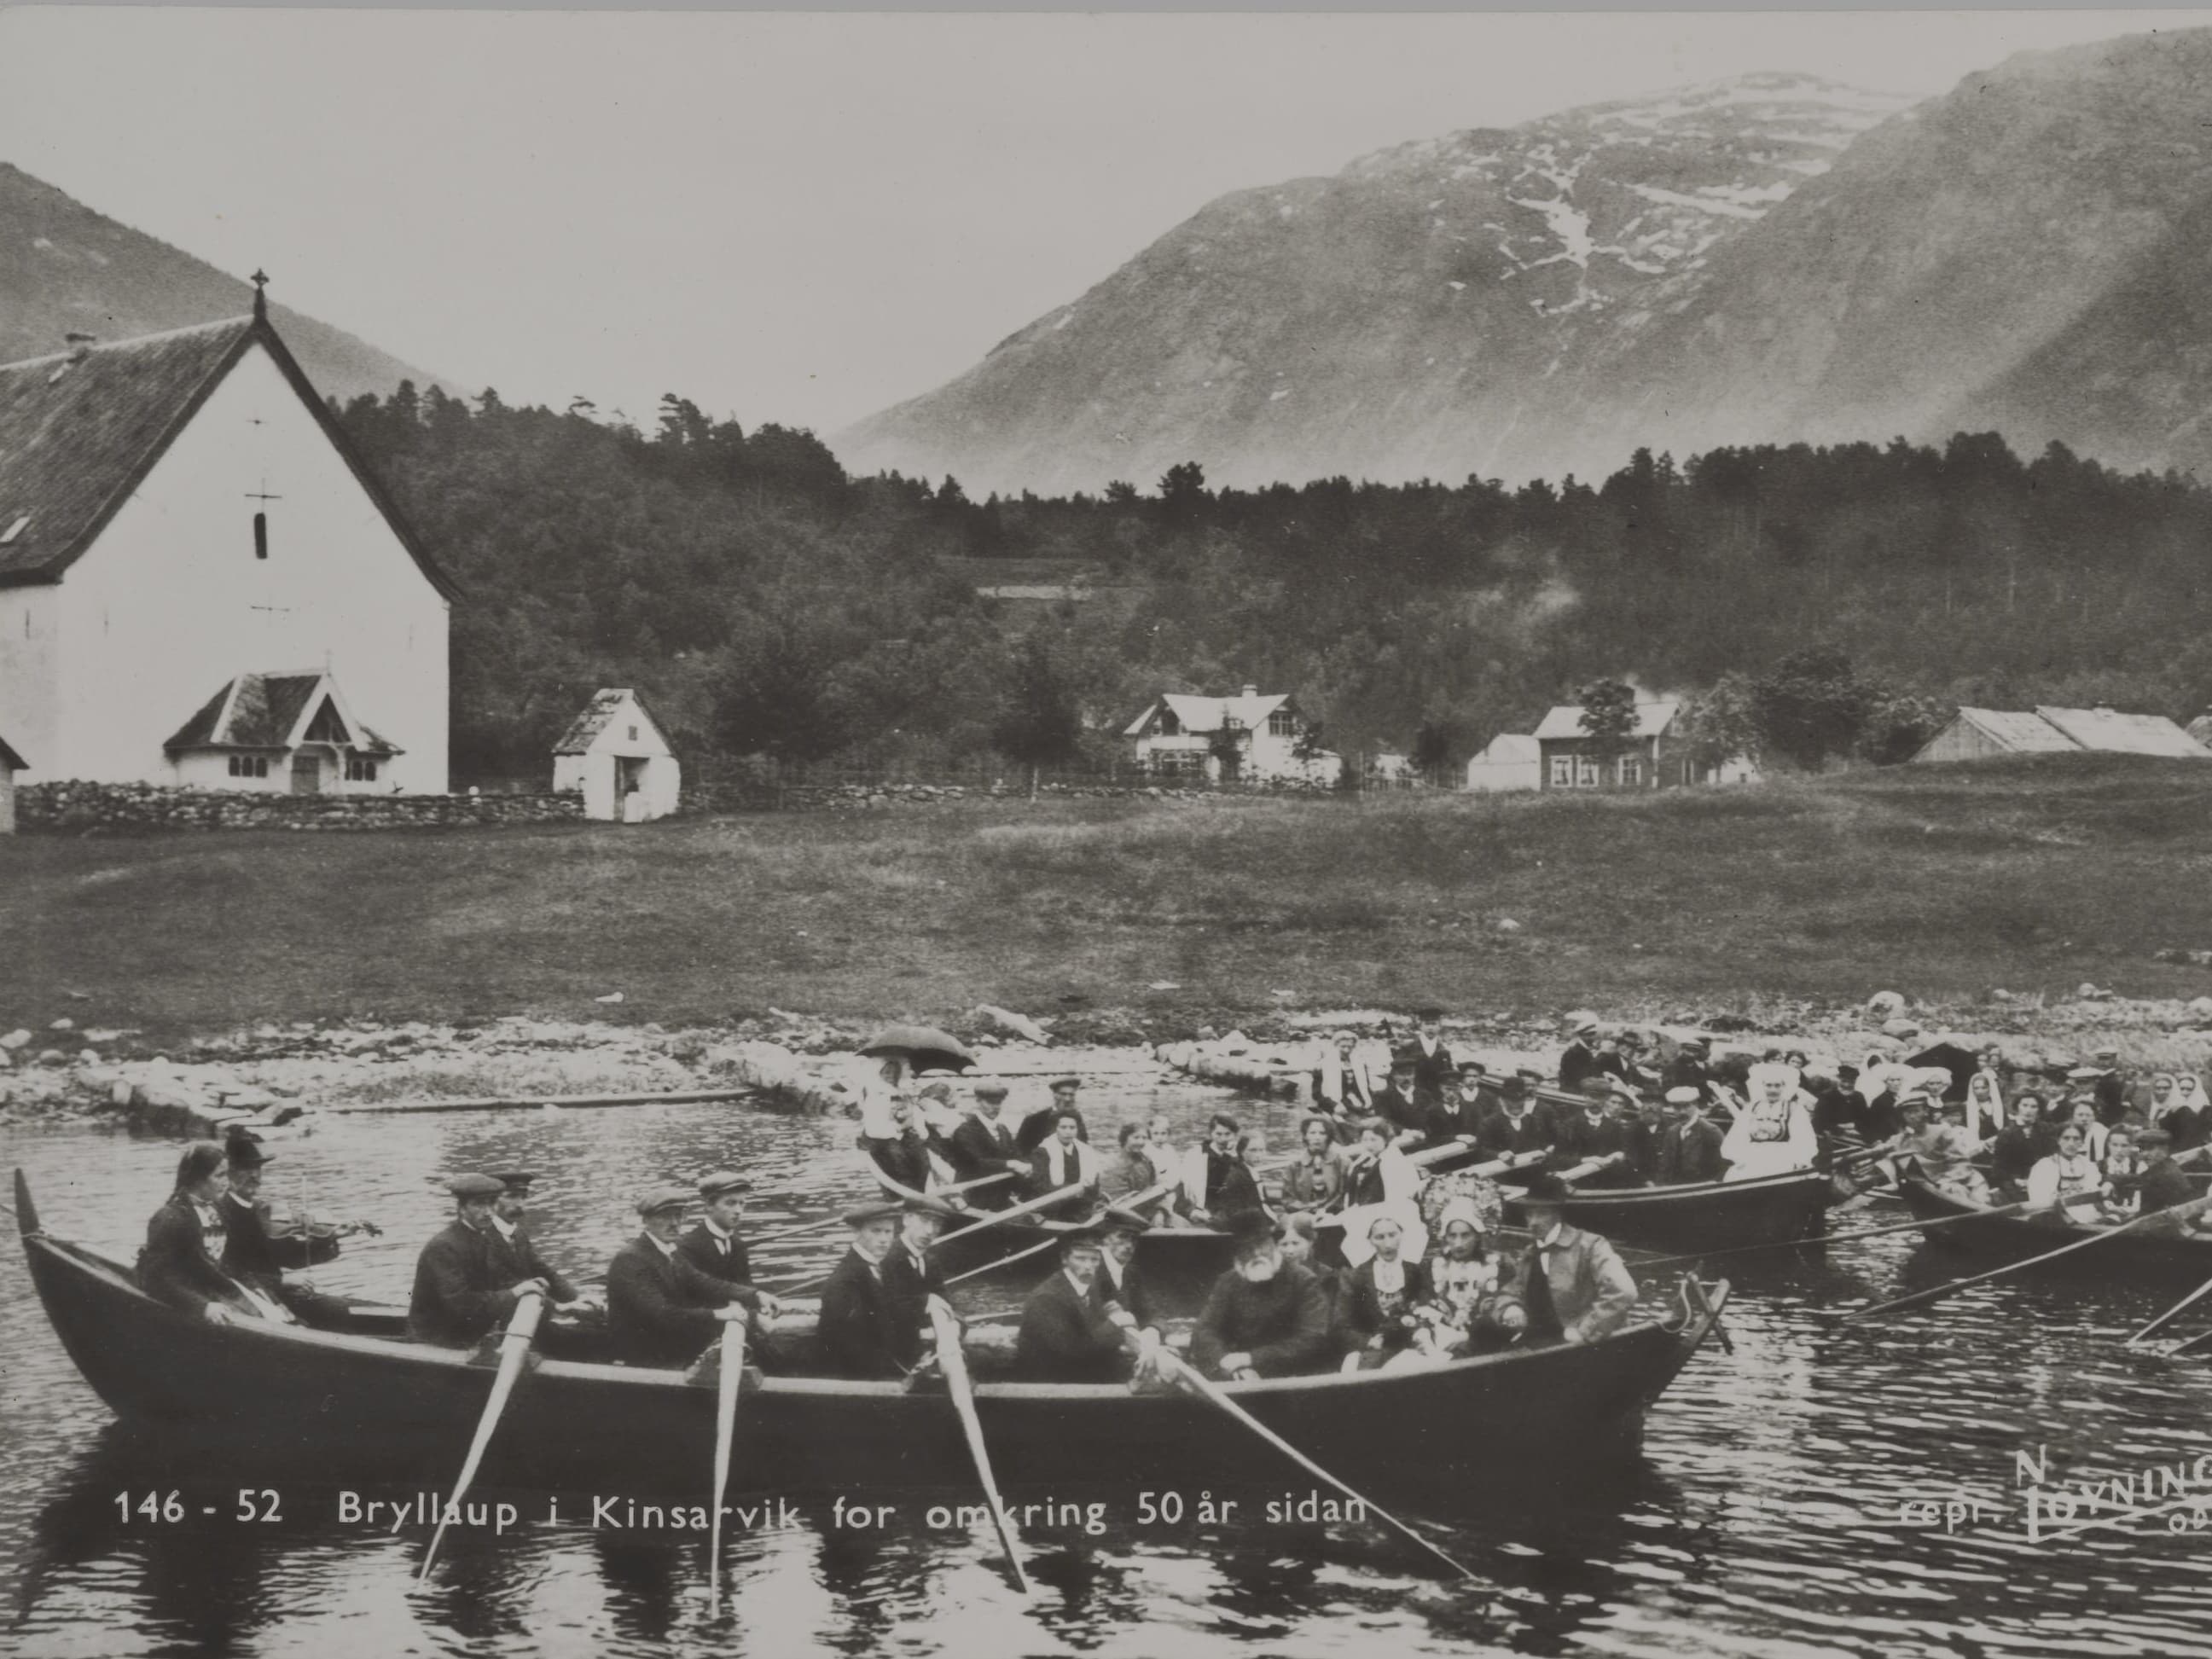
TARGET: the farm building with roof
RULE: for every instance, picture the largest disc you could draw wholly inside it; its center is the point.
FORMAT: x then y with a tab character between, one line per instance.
200	583
1249	737
1976	733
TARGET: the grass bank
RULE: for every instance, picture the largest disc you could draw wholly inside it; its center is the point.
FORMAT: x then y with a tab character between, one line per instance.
1938	882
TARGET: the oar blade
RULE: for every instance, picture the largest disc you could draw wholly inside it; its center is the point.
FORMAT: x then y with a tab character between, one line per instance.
954	1364
515	1348
725	1422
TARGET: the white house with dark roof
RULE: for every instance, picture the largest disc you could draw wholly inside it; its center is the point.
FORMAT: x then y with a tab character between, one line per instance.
615	753
200	583
1249	737
1656	753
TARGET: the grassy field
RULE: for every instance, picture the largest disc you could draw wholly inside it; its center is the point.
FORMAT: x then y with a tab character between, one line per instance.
1942	882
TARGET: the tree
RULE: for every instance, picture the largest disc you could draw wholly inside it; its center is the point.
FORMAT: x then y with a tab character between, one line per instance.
1812	706
1183	493
1042	722
1608	719
1721	723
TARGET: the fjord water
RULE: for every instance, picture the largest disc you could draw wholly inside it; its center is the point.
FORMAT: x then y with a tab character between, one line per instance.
1769	1515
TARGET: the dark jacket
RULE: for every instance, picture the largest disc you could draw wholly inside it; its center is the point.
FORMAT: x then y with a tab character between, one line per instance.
1363	1181
1430	1070
1131	1293
732	1269
1403	1112
175	1267
517	1259
1643	1141
1361	1310
858	1329
2162	1186
1283	1324
1579	1141
1584	1281
982	1146
2111	1095
1684	1072
659	1307
2012	1154
904	1157
1065	1336
1231	1189
251	1253
1463	1117
1689	1153
1838	1111
1579	1060
2186	1125
1305	1187
910	1289
460	1291
1500	1137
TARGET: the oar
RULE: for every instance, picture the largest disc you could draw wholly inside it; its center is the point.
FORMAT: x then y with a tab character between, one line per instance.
970	1231
2168	1317
821	1223
1132	1205
1186	1374
514	1346
1003	1262
726	1424
1937	1292
954	1364
1844	1238
1590	1166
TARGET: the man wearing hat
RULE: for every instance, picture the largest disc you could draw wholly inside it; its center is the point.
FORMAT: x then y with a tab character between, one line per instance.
1397	1104
2164	1190
1120	1280
1069	1331
1690	1151
1647	1132
1518	1128
2111	1091
254	1251
512	1248
910	1278
859	1327
1266	1316
1594	1132
714	1248
1038	1126
1572	1284
1687	1069
1839	1110
661	1310
983	1144
1432	1061
462	1293
1579	1059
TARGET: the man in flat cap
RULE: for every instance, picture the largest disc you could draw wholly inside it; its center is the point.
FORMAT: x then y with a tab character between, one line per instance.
1039	1126
1690	1151
1433	1060
712	1245
512	1246
462	1290
911	1278
859	1329
983	1144
661	1310
1594	1132
1687	1069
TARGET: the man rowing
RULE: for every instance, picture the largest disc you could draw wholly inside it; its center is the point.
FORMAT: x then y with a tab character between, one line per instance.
1690	1151
1069	1331
859	1329
910	1278
1517	1128
1266	1316
1572	1285
661	1310
464	1291
983	1144
1594	1132
512	1247
714	1248
2172	1201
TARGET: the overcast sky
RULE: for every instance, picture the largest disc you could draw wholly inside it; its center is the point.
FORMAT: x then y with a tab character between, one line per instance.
791	217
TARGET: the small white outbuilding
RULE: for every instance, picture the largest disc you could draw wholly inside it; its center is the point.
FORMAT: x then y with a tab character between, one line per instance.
1513	761
617	754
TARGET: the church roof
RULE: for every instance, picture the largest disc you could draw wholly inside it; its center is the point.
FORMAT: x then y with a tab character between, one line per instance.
11	760
80	430
272	711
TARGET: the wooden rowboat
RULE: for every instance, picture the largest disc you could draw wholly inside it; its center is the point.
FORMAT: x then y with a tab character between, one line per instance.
2136	1253
333	1397
1707	1215
1180	1261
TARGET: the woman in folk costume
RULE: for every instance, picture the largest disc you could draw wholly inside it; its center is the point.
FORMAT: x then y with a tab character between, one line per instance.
1772	1134
2195	1127
1985	1107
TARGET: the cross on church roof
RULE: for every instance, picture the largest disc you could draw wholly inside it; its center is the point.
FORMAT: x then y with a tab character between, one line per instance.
260	281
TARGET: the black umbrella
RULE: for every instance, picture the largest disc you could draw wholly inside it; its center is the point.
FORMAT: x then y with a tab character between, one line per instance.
923	1046
1960	1063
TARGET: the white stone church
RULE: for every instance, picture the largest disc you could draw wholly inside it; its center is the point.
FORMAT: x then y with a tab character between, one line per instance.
200	584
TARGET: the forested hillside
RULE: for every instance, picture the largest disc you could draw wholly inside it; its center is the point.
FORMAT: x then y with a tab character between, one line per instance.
765	602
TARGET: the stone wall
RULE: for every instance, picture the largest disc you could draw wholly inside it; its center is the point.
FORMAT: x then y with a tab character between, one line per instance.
73	808
751	797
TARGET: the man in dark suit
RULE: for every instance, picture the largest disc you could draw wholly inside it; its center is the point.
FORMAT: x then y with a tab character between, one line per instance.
1691	1150
661	1310
1037	1127
714	1247
512	1247
1687	1069
858	1330
1839	1110
983	1144
1593	1132
1573	1285
1645	1134
1579	1059
1120	1280
462	1290
1517	1128
910	1278
254	1252
1397	1106
1455	1116
1231	1189
1432	1061
1070	1334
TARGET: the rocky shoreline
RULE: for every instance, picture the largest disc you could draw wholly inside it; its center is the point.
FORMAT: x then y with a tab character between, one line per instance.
75	1065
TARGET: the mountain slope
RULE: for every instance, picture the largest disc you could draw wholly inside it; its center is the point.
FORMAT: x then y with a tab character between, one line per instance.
1391	321
1761	261
64	267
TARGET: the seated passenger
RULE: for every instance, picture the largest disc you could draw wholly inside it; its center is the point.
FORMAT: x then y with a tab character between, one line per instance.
1379	1297
185	1237
1064	1159
1571	1284
1069	1332
1941	1151
1266	1316
2068	1185
1316	1182
904	1155
661	1310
